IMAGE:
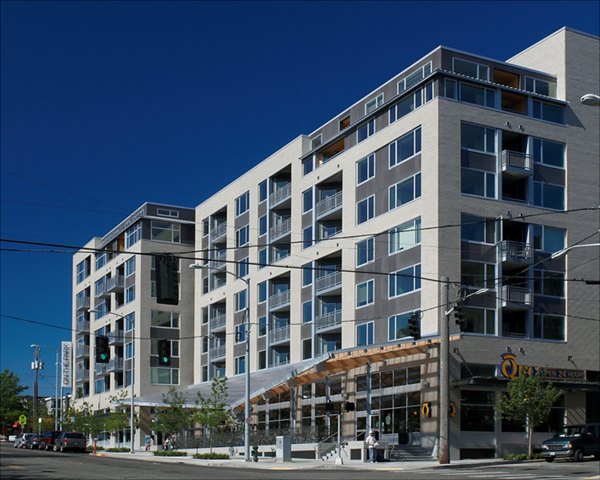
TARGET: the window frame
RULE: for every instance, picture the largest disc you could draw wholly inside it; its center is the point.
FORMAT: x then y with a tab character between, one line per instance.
394	150
370	251
394	277
370	209
415	228
370	169
369	294
369	333
415	180
242	203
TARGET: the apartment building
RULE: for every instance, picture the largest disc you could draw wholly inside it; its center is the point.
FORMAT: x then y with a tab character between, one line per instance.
114	295
464	168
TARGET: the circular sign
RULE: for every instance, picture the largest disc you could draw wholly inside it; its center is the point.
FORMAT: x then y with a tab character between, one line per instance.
22	419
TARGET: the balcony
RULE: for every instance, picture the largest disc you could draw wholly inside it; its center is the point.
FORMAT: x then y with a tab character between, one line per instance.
100	368
280	195
217	261
517	253
82	351
115	284
116	337
115	365
327	283
82	375
217	353
517	164
218	231
218	322
281	229
279	300
83	326
101	290
328	320
82	303
516	298
281	334
329	205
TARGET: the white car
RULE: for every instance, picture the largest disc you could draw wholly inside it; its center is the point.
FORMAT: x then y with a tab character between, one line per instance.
21	439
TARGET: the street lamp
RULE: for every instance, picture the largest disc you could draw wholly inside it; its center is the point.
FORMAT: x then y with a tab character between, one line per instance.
200	266
590	99
131	422
562	252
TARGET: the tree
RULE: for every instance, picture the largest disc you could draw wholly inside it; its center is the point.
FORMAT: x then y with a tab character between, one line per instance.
212	412
176	417
528	400
86	420
118	418
11	402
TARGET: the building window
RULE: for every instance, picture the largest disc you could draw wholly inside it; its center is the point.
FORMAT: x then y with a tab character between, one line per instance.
240	364
404	281
551	284
549	113
405	147
241	300
159	318
263	258
364	334
541	87
478	275
308	165
242	236
306	349
262	225
174	347
476	229
365	209
243	267
365	130
364	293
480	320
450	88
129	266
205	344
101	259
307	274
550	153
365	169
262	326
242	204
165	231
365	251
133	235
405	191
548	239
477	138
478	182
316	142
240	333
471	69
164	376
307	237
262	292
83	270
262	191
307	312
414	78
405	236
477	95
549	196
129	294
307	200
374	104
548	327
477	411
398	326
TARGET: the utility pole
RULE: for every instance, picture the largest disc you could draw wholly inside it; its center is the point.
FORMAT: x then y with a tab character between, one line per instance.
444	451
36	365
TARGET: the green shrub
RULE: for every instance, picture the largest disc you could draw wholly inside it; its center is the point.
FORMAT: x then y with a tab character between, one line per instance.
119	449
170	453
90	448
211	456
515	456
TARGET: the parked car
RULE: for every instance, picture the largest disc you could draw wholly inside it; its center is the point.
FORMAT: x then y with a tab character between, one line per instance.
21	439
70	441
33	441
574	442
47	439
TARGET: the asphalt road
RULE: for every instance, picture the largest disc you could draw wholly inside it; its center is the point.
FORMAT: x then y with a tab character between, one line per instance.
32	464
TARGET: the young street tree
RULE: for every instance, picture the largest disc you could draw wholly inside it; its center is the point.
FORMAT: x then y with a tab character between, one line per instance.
175	418
528	400
212	412
12	404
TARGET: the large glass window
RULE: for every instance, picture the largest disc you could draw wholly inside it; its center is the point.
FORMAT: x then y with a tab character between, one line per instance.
549	327
405	147
549	196
477	137
365	334
365	169
164	376
242	236
240	365
365	251
83	270
307	200
241	300
547	283
129	266
471	69
547	152
263	259
133	235
405	236
398	326
476	95
365	209
374	104
242	203
414	77
243	267
404	281
262	191
476	229
365	131
548	112
548	239
405	191
480	320
262	225
159	318
307	237
307	312
478	275
307	274
477	411
541	87
478	182
364	293
165	231
262	326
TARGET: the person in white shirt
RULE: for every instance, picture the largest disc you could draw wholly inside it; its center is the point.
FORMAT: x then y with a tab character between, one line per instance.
371	443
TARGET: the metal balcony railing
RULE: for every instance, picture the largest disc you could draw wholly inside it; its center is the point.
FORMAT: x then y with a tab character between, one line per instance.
100	289
83	326
218	321
512	295
326	282
82	374
279	299
329	204
82	303
217	261
115	365
512	161
217	352
116	337
281	229
328	320
114	283
280	194
511	251
218	231
279	334
82	351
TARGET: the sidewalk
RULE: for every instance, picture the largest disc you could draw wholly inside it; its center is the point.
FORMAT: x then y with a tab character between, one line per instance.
305	464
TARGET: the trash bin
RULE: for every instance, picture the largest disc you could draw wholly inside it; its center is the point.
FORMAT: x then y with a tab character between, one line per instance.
283	448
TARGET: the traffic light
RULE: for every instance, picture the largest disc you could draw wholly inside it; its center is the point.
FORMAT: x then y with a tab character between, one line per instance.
459	317
164	352
414	328
167	279
102	349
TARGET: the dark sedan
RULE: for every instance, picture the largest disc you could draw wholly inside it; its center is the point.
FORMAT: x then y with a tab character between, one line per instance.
70	441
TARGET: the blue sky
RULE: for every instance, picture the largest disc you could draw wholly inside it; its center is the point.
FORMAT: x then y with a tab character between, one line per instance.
106	105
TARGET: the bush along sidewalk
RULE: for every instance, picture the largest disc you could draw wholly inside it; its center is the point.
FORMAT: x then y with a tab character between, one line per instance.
211	456
170	453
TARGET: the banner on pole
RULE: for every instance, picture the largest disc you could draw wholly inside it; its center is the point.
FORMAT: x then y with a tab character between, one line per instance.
66	354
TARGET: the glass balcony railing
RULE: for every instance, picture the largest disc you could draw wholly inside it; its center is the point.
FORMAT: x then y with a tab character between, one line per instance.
328	320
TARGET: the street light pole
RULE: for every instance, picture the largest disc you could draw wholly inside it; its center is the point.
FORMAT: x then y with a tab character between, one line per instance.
36	367
247	416
444	452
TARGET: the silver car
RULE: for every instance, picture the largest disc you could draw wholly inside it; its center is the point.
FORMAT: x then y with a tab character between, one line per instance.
21	438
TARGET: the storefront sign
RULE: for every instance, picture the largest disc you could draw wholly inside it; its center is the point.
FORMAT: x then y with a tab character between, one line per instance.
65	380
509	368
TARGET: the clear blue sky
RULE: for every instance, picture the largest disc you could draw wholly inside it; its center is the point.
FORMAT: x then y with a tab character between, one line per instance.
106	105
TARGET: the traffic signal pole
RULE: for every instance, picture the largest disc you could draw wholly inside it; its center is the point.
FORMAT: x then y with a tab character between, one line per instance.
444	450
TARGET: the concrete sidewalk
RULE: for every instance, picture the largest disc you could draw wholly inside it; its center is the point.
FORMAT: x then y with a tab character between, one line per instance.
304	464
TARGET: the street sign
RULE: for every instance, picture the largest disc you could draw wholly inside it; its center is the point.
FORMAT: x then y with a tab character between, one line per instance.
22	419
